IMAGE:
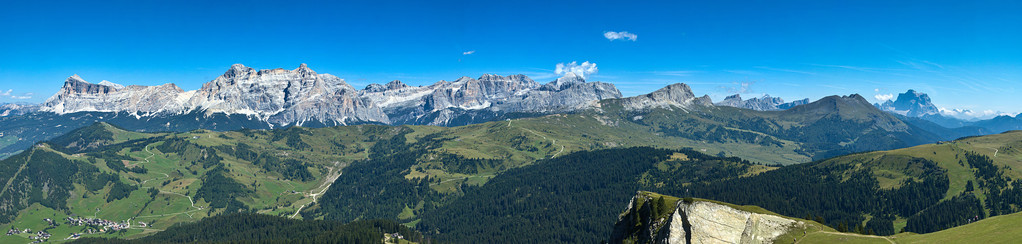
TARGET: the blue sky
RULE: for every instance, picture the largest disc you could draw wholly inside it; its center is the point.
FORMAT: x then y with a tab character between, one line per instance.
964	54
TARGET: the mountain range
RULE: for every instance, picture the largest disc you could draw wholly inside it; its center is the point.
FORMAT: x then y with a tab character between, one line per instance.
301	96
917	108
561	145
247	98
244	97
765	103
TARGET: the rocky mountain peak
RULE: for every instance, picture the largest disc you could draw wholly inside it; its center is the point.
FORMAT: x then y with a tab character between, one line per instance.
911	103
77	95
238	68
677	95
569	79
765	103
395	84
304	70
76	85
111	84
731	101
490	77
75	77
374	88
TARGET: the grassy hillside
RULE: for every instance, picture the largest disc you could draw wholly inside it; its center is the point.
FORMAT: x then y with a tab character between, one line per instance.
919	189
998	229
164	179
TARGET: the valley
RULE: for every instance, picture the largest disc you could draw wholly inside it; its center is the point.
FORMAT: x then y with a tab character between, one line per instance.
425	175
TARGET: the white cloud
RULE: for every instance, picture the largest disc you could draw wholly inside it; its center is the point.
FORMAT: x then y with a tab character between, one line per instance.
883	97
8	93
584	70
681	73
970	114
468	52
623	35
27	95
744	87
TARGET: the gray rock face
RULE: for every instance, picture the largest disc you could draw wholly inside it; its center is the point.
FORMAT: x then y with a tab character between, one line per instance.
468	100
674	95
792	104
716	223
14	109
765	103
77	95
911	103
286	97
697	221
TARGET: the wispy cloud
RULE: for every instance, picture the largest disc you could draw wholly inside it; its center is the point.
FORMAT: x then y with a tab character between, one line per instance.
883	97
833	87
23	96
8	93
680	73
743	87
743	72
622	35
584	69
970	114
785	70
468	52
963	78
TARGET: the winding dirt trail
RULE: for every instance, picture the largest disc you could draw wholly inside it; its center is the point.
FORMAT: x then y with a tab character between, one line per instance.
325	185
183	195
552	141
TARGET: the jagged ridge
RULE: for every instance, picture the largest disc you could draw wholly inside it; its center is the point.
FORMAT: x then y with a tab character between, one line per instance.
300	96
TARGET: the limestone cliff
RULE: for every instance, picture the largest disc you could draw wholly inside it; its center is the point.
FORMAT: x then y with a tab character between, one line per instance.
652	218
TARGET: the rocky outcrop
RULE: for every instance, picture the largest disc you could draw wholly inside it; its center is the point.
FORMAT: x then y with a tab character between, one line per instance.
716	223
765	103
697	221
